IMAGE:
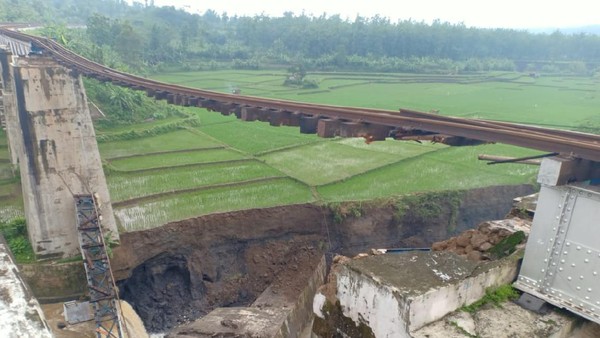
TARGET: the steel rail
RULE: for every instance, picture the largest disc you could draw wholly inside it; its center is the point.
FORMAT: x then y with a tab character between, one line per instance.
573	143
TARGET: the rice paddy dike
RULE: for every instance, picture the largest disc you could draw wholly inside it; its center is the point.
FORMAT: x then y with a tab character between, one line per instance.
220	164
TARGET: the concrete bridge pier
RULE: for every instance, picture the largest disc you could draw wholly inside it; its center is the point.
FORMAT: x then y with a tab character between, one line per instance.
9	103
54	143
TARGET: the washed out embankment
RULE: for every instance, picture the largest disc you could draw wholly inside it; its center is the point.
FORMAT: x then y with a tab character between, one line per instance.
181	271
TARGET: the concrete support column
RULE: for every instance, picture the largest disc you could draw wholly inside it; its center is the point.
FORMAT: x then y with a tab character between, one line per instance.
59	156
9	102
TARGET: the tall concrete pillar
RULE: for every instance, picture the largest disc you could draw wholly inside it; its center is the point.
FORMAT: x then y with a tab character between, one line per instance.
59	156
9	103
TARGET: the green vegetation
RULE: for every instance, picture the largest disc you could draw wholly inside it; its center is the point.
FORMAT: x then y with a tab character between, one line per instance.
221	163
156	212
146	38
341	211
15	234
124	186
445	169
507	246
175	159
256	137
424	207
494	297
166	163
154	129
178	140
327	162
126	106
514	97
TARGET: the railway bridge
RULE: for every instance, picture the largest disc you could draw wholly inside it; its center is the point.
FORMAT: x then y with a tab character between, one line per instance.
46	112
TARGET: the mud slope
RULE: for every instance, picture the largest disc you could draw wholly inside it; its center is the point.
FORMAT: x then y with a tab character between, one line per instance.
179	272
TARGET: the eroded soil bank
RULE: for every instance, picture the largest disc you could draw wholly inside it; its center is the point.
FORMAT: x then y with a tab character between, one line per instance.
183	270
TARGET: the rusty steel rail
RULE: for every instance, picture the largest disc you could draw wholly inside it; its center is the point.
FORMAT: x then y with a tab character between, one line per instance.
328	120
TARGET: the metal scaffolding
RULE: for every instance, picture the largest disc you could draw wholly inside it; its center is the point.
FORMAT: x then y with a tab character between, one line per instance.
103	295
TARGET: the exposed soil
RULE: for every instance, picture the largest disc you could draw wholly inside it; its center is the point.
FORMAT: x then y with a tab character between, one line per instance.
181	271
174	288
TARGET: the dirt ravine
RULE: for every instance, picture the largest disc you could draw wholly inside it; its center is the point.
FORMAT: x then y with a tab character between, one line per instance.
181	271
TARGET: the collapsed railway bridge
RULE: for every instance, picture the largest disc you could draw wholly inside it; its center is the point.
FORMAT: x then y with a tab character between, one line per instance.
327	120
577	154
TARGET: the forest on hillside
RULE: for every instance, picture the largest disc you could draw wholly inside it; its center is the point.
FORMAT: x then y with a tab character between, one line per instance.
143	37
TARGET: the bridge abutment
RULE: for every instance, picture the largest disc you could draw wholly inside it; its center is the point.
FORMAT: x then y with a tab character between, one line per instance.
53	140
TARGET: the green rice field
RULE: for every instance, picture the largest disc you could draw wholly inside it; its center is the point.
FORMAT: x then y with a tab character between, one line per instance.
225	164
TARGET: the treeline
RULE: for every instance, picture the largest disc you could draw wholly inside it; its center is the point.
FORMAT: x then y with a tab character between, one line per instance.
143	35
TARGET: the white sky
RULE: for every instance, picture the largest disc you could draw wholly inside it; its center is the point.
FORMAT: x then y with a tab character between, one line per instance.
479	13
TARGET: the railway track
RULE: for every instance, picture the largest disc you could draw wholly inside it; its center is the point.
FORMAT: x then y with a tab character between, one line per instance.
328	120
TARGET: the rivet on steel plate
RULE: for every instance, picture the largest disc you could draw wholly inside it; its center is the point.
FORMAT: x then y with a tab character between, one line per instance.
586	260
578	247
565	252
589	252
560	269
580	277
589	289
562	261
595	273
573	264
578	288
543	270
568	244
569	278
587	298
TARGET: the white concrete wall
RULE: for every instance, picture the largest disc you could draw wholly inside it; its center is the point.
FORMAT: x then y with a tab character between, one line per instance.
437	303
365	300
59	156
390	312
20	313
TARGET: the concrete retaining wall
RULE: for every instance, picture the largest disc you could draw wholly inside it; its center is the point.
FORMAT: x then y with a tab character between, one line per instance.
55	282
302	313
395	295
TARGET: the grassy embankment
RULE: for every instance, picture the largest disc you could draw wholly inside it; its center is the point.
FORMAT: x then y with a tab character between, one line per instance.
225	164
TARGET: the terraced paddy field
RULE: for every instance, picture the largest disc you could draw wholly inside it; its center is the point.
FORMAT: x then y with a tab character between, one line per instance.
223	164
568	102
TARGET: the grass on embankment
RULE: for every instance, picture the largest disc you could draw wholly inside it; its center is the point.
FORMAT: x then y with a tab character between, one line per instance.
327	162
124	186
445	169
177	140
331	169
156	212
175	159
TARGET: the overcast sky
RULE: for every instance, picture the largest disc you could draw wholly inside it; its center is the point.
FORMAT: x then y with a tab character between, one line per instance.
479	13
